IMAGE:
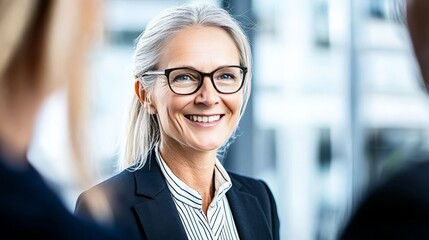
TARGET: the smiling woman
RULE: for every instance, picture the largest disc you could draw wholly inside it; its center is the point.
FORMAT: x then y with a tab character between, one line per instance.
197	140
192	69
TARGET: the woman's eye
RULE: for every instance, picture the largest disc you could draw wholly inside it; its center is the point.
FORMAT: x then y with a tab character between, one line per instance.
183	78
226	76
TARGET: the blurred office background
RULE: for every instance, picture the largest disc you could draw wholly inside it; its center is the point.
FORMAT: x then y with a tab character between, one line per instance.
336	104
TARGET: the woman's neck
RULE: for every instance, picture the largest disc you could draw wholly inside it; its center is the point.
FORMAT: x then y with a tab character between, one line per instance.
195	168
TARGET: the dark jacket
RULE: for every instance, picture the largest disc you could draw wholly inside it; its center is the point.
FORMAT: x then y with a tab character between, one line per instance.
143	207
29	209
396	209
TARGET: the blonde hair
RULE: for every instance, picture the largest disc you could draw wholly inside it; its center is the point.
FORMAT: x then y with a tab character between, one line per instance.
45	46
141	129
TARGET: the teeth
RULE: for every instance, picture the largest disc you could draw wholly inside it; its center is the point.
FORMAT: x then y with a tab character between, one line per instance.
204	119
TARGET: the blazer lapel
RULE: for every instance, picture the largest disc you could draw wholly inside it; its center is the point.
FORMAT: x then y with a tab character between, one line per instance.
248	216
157	213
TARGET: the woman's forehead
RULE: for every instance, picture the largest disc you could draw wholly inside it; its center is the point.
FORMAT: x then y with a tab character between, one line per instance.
200	45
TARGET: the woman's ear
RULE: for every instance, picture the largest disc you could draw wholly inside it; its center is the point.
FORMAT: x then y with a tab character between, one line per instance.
140	92
143	97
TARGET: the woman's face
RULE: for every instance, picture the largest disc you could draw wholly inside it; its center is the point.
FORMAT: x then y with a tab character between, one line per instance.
204	120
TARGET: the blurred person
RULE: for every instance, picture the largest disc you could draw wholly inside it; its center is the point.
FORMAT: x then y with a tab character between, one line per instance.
192	67
44	45
399	207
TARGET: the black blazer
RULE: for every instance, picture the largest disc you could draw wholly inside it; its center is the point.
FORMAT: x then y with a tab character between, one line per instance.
143	207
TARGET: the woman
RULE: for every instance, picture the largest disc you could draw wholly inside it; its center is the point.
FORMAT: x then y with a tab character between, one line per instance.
192	69
38	57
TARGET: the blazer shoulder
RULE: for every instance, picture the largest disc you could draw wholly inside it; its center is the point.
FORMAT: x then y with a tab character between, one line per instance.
255	187
248	183
117	184
120	182
119	179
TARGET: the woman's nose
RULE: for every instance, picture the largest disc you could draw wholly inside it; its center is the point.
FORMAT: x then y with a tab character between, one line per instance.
207	94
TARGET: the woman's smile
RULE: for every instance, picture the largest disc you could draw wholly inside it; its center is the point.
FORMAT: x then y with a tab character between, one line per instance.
204	118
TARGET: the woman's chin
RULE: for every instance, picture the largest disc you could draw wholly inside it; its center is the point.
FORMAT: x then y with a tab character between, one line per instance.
206	147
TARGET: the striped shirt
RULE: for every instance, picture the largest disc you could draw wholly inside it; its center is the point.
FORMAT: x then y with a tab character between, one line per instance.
219	223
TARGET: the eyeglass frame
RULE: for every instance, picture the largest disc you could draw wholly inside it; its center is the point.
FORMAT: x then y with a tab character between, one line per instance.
166	73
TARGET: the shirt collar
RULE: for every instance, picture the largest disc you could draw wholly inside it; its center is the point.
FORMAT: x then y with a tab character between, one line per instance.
182	192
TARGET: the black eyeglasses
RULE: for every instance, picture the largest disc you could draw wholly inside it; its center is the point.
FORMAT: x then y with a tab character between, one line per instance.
186	81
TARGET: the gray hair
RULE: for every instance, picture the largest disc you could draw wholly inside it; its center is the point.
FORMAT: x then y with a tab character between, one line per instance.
142	130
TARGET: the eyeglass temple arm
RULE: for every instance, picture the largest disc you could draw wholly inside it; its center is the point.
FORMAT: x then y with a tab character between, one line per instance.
148	73
152	73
